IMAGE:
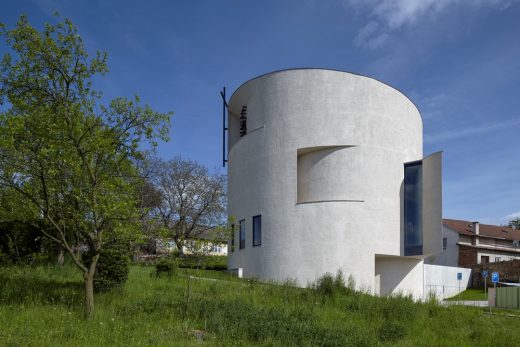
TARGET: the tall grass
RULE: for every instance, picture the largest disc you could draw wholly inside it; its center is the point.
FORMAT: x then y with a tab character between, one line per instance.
42	307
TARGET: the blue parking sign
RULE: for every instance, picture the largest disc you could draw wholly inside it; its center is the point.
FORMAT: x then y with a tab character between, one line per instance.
495	277
484	273
459	276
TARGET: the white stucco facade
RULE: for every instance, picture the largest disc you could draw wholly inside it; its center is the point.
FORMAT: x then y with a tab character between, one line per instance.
322	163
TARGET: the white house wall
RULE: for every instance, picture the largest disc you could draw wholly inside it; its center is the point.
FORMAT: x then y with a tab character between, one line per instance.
450	255
495	256
191	247
336	208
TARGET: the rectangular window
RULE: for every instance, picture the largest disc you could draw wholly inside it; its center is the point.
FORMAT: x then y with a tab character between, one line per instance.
484	259
444	243
497	259
257	230
242	233
232	237
413	238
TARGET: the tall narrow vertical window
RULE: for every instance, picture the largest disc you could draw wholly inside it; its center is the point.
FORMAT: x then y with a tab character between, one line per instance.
242	233
413	236
232	237
444	243
257	230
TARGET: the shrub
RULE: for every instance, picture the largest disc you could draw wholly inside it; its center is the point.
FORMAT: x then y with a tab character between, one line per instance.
325	285
18	242
165	267
351	284
330	285
112	268
5	259
211	262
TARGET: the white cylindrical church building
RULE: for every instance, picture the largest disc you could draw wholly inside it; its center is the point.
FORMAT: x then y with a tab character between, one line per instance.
317	181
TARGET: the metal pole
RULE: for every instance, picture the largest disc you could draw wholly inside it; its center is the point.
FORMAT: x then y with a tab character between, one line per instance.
223	94
495	286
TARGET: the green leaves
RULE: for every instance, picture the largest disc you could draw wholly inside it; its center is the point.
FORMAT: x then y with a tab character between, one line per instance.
60	150
49	67
514	223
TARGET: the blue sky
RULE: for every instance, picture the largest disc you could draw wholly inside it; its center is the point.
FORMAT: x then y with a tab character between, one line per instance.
458	60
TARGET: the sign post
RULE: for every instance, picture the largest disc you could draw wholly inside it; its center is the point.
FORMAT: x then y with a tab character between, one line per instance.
485	274
495	277
459	278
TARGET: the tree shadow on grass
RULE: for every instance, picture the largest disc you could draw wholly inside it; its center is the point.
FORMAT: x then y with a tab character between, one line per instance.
27	290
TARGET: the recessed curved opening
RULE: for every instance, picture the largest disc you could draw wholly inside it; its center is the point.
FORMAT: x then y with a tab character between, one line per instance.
329	173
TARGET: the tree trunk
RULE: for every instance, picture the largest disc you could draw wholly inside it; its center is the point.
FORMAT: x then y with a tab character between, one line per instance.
89	287
78	245
61	257
179	245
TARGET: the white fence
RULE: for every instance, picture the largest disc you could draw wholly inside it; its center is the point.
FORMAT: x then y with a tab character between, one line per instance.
442	281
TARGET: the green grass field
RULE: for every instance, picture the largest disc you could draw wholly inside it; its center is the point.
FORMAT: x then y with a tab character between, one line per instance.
470	295
43	307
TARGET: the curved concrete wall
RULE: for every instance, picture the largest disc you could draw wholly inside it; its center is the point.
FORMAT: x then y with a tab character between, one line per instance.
322	162
318	179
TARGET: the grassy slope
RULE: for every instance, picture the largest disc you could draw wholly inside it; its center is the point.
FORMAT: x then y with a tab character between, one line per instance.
42	307
470	294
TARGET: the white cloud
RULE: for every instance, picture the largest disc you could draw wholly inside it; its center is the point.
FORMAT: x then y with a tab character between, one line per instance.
431	106
387	16
370	36
397	13
512	215
366	32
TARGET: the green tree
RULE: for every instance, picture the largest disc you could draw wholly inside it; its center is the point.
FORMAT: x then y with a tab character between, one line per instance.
61	150
514	223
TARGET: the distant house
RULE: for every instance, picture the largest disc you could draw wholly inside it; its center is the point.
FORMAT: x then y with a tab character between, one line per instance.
208	242
467	243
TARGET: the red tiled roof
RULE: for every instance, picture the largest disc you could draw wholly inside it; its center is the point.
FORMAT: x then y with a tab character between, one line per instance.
495	231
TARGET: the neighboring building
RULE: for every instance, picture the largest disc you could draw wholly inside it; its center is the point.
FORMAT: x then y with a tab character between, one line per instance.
468	243
208	242
326	172
509	271
194	246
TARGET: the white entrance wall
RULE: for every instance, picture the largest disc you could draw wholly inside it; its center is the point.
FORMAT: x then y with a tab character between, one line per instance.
442	282
399	275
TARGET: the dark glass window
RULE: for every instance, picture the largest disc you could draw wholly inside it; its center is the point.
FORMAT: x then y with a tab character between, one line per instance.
242	233
444	243
257	230
413	241
232	237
